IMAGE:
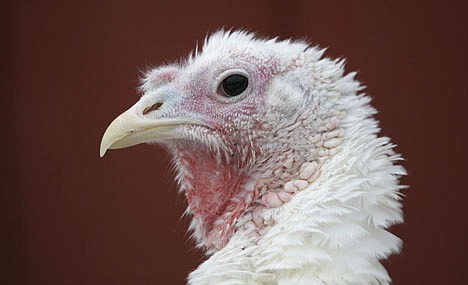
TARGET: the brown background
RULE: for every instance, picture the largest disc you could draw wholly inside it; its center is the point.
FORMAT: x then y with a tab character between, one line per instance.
70	67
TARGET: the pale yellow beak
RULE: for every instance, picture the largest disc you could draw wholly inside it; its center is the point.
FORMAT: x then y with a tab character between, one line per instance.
130	129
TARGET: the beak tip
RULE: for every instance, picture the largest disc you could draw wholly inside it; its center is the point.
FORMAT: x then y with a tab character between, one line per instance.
104	145
102	152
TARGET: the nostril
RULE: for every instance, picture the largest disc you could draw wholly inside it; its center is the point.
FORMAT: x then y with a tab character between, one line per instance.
152	108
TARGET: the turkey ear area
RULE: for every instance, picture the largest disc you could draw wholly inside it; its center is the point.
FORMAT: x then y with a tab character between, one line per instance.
233	85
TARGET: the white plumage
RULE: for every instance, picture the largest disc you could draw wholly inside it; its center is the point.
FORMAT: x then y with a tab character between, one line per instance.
288	181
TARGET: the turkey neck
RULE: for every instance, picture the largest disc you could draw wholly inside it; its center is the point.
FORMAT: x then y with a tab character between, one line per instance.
332	232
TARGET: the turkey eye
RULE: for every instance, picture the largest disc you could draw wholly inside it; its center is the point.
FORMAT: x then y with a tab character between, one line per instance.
234	85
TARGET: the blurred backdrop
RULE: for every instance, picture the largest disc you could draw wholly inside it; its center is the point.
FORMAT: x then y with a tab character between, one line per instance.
69	67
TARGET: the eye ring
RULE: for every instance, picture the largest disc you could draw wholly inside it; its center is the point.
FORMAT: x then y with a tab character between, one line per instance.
232	85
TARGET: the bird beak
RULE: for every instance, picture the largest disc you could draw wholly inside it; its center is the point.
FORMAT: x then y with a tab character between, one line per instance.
130	129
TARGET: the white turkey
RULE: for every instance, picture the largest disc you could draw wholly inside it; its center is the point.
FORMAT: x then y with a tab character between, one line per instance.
278	155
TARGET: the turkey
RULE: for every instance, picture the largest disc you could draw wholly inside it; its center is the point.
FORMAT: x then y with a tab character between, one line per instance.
278	155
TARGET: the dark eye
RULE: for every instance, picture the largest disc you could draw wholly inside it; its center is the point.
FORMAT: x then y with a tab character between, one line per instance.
234	85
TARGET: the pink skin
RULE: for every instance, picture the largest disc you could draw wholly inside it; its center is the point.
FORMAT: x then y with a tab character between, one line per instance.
214	186
209	188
